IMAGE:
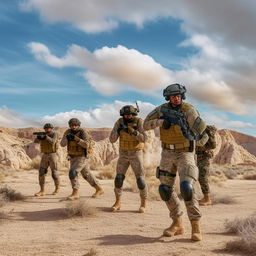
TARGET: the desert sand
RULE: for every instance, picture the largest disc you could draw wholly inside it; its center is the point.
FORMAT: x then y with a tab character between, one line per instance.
38	226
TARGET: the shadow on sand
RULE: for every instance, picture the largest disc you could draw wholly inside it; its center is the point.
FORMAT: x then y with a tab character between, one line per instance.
45	215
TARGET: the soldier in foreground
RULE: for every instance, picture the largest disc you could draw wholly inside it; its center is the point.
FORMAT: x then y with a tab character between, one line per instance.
79	145
204	156
48	143
129	130
180	125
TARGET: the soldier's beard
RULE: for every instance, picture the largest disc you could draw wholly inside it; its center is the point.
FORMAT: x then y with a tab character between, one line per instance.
128	120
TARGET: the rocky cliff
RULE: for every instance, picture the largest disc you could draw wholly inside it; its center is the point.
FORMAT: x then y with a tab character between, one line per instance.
17	149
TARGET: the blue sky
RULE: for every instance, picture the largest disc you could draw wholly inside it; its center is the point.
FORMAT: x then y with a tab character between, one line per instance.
35	88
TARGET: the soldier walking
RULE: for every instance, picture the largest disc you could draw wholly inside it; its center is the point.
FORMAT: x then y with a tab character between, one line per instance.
180	125
48	144
79	145
129	130
204	156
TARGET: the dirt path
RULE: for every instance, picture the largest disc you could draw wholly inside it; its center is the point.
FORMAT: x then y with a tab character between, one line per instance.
38	226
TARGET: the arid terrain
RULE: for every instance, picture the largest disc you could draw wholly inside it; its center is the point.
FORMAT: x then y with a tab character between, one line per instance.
41	226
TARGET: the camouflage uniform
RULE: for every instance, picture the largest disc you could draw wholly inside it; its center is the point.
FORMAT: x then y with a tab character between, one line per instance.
49	158
204	156
78	151
178	156
130	153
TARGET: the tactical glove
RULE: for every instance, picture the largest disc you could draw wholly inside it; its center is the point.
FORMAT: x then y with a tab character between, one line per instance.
70	137
41	137
132	131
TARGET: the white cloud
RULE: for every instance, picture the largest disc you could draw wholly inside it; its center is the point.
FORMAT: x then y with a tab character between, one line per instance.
221	73
105	116
109	69
222	121
10	118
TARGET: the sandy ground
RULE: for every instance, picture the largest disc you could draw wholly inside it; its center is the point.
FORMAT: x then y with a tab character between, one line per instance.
37	226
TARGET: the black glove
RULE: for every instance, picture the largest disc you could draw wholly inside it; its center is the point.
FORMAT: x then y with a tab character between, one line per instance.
41	137
170	120
122	127
70	137
166	124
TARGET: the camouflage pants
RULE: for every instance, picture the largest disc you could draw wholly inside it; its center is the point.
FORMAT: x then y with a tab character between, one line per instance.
49	159
203	163
135	159
184	164
79	164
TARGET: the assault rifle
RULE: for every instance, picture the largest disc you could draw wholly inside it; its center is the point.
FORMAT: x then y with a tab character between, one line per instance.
178	118
39	133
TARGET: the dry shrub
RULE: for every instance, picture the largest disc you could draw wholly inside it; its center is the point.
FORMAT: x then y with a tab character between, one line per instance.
80	208
249	175
234	226
223	199
246	230
92	252
35	163
10	194
3	200
108	171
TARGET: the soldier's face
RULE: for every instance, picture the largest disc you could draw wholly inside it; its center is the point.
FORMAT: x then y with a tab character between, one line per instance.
128	116
74	127
48	130
176	100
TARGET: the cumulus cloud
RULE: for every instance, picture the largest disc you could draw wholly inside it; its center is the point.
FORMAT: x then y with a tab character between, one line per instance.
109	69
222	72
10	118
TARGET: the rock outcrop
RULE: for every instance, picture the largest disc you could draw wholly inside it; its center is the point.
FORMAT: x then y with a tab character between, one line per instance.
17	149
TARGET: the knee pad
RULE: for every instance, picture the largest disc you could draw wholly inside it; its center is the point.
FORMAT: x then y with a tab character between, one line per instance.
55	175
165	192
72	174
186	190
42	171
141	183
119	180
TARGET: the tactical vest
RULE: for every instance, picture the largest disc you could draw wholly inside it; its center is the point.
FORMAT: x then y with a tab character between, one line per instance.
173	138
74	149
127	141
47	147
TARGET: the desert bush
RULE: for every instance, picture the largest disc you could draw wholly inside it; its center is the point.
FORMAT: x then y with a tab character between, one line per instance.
79	208
92	252
35	163
223	199
3	200
234	226
249	175
108	171
246	230
10	194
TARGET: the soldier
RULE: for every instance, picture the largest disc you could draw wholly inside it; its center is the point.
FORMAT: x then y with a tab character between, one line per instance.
204	155
180	125
79	145
129	130
48	145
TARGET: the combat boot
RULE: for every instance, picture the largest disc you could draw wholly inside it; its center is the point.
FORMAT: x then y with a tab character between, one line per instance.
175	229
99	191
74	195
42	186
196	234
117	204
57	188
206	200
142	208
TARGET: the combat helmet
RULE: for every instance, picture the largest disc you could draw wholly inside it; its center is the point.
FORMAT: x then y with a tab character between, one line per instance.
74	121
128	110
174	89
48	125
